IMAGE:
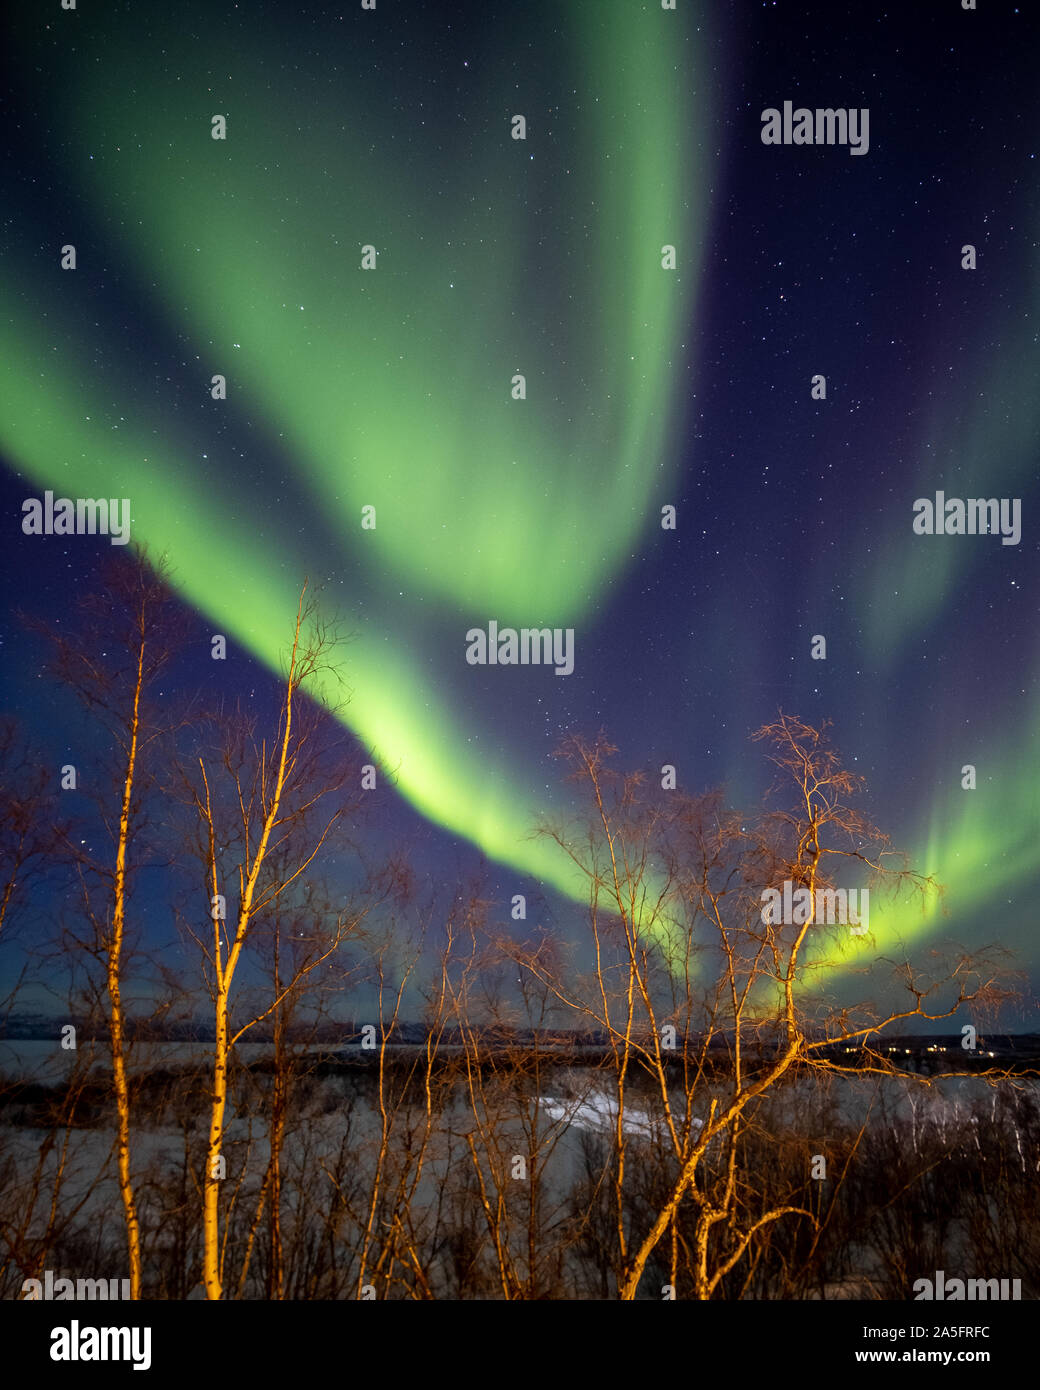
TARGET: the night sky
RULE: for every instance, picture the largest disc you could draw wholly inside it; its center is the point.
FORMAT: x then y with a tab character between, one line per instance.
646	387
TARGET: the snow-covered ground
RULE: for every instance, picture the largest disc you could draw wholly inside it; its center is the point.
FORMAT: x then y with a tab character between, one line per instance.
597	1112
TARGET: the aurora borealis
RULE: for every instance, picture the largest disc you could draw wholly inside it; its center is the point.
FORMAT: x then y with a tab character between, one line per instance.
645	387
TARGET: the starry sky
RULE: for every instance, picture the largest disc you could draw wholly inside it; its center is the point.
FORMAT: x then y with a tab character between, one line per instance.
646	387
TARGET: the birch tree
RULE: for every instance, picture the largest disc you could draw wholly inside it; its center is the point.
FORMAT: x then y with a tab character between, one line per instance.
112	657
712	1005
266	809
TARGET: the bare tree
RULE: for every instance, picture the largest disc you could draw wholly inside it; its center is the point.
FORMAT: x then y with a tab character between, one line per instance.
126	632
685	957
31	829
265	810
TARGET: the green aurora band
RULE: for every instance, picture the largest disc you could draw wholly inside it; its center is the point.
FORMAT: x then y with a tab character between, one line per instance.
983	846
391	388
388	388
